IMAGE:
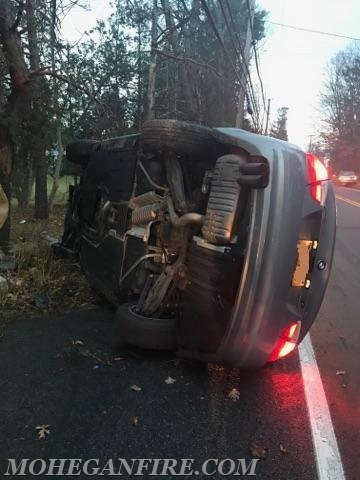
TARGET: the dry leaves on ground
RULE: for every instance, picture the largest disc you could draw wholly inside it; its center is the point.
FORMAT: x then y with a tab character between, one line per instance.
135	388
234	394
37	281
134	420
100	358
282	448
258	451
170	380
43	431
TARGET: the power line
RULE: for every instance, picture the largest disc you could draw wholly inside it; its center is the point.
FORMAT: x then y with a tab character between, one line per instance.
256	55
241	59
221	42
309	30
242	53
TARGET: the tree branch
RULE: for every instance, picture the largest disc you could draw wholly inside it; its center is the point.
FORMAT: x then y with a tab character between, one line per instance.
168	31
43	72
18	16
188	60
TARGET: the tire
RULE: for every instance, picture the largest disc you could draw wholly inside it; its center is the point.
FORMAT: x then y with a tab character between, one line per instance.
144	332
79	152
180	137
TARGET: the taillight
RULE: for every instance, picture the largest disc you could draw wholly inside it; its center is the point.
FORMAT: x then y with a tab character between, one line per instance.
286	342
317	173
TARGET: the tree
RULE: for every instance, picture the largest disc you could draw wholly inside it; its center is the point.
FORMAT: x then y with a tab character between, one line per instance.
149	59
340	101
279	127
18	96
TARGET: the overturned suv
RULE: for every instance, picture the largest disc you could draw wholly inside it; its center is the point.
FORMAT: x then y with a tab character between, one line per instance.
216	243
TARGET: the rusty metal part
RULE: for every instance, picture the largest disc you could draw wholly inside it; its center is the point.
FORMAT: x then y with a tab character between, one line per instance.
191	217
146	214
160	288
137	263
148	198
175	180
149	179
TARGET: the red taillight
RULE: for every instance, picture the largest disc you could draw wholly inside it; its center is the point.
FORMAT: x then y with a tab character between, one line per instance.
317	173
286	342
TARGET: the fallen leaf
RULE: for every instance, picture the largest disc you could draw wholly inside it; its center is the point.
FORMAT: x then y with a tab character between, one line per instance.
170	380
78	343
282	448
134	420
340	372
43	431
136	388
258	451
234	394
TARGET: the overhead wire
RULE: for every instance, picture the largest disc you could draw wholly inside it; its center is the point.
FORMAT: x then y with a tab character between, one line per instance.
310	30
242	63
253	42
221	42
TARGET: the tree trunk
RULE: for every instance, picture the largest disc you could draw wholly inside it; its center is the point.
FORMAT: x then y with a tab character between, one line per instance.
150	111
139	82
59	161
39	143
40	166
17	101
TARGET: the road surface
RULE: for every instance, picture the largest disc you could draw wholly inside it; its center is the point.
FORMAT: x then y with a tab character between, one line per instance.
67	372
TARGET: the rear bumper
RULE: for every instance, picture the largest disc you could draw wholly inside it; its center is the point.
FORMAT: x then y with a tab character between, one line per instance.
266	301
347	182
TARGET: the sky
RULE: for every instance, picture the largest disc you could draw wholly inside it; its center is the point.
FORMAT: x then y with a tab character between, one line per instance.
292	63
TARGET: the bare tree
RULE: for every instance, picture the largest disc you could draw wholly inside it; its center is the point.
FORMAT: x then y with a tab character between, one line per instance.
18	101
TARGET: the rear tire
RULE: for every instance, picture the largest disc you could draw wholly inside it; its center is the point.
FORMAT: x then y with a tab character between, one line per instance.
180	137
144	332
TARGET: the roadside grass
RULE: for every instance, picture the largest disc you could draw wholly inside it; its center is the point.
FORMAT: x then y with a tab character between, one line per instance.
39	282
61	194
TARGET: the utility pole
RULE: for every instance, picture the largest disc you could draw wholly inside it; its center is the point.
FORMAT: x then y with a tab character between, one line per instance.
310	142
247	53
267	116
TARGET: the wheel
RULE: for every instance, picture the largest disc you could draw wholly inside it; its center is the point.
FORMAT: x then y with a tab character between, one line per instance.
180	137
144	332
79	152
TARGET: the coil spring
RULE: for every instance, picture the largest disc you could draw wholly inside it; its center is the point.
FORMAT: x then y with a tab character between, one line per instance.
146	214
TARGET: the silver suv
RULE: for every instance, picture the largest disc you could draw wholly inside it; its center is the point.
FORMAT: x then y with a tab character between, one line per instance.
216	243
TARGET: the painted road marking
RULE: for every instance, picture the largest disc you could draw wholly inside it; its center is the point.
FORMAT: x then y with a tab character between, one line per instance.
327	455
347	200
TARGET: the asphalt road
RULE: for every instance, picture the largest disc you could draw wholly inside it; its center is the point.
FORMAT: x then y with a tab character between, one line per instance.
83	391
336	333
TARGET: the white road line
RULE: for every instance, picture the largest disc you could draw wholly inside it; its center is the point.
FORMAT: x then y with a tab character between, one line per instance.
328	460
